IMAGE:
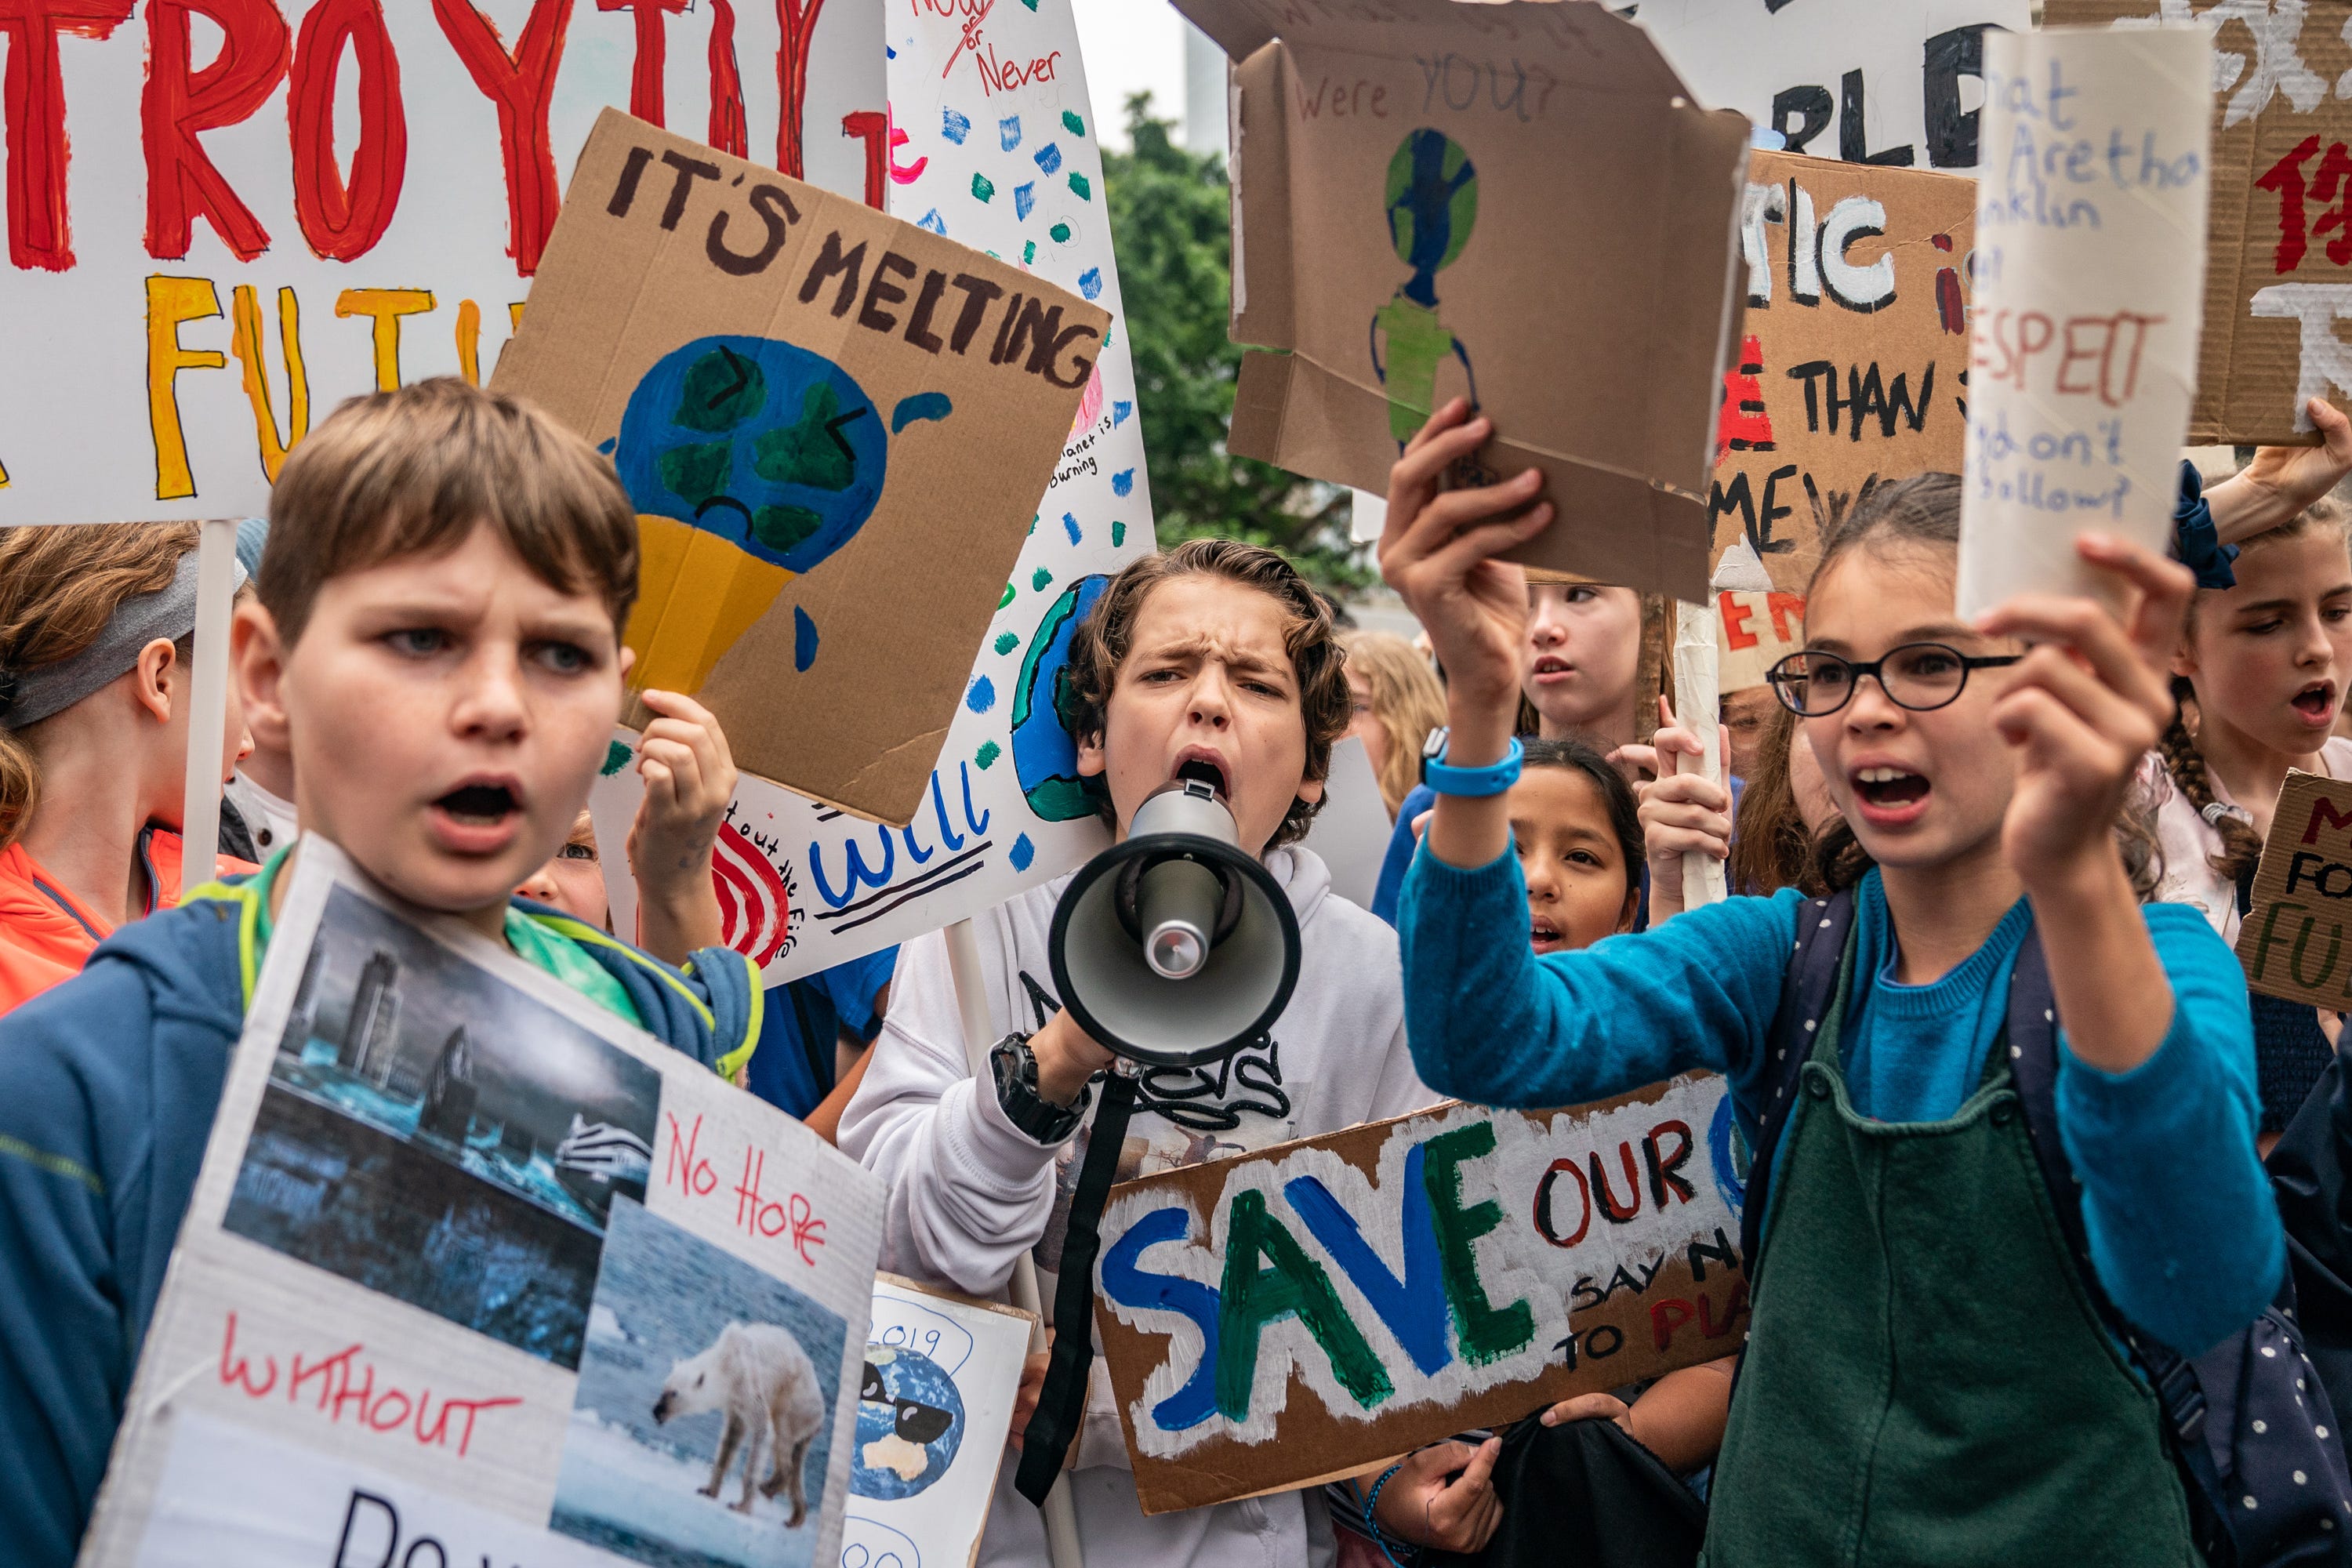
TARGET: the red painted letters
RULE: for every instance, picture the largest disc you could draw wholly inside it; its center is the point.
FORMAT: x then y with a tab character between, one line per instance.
343	222
38	232
652	52
180	100
521	85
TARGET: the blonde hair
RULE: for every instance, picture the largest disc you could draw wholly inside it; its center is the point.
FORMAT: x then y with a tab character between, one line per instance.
1406	700
58	588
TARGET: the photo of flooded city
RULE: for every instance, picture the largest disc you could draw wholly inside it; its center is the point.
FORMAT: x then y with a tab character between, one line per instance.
435	1134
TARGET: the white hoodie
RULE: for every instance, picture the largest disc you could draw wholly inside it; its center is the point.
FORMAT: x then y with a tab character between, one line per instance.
969	1191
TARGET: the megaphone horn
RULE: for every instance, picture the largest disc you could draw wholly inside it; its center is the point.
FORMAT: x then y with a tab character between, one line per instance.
1175	947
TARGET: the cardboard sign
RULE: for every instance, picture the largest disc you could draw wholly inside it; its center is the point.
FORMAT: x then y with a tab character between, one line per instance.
834	427
1860	80
2276	284
1753	632
934	1404
473	1263
2292	942
1281	1316
1849	369
805	886
273	207
2089	283
1517	202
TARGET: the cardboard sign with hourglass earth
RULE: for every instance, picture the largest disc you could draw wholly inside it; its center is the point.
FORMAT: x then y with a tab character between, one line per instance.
835	428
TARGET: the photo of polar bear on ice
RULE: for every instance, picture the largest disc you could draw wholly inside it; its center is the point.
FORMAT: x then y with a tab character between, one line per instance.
713	1423
759	1379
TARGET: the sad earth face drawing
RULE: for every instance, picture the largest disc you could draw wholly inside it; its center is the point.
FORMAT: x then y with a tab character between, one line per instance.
749	461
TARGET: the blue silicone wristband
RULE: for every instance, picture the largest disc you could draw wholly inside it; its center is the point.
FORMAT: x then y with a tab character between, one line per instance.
1371	1502
1491	779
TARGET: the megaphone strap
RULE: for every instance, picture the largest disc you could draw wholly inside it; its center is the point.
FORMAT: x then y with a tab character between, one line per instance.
1062	1402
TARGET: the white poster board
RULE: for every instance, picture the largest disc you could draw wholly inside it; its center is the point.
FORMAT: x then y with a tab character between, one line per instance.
2090	289
1883	81
940	1375
472	1261
994	145
336	196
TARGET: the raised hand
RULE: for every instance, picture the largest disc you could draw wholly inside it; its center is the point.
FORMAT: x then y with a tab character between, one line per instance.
2085	706
689	778
2283	480
1437	552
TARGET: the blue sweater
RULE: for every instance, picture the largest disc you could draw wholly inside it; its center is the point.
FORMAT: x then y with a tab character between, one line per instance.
108	1088
2183	1231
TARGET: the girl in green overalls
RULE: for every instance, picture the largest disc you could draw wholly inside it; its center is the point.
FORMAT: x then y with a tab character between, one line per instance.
1926	1380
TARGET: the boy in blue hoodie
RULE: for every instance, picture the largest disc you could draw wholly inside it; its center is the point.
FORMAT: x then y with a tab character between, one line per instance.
436	640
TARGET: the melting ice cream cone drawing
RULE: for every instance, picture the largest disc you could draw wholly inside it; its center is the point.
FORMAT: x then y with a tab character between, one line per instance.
750	461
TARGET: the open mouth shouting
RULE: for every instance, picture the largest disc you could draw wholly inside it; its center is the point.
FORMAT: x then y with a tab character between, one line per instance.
480	817
1201	764
1889	796
2315	705
1549	669
1544	934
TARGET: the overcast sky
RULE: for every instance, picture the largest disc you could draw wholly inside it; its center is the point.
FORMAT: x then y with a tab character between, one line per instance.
1131	46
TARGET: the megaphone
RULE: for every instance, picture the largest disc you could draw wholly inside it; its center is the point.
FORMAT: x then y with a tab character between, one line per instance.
1175	947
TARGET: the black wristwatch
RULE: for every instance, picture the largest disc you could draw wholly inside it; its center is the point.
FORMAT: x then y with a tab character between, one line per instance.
1015	1066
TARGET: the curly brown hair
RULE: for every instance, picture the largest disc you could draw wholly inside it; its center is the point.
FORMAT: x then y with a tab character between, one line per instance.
1103	639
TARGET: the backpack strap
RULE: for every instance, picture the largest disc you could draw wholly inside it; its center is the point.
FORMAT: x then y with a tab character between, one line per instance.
2031	1039
1807	993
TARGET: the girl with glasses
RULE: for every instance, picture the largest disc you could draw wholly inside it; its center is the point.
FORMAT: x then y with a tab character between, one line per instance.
1924	1368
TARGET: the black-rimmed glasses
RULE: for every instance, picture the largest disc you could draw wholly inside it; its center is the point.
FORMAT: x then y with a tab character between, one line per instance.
1919	676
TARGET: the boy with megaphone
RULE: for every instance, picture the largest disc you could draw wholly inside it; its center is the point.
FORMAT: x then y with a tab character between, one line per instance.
1212	662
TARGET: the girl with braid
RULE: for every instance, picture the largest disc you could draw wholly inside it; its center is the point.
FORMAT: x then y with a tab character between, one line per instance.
2260	678
2258	681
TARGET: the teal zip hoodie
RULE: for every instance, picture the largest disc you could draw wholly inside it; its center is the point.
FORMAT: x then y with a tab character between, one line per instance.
107	1088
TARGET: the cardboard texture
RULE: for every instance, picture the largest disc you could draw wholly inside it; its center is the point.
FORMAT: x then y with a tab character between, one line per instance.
2089	270
224	220
1389	1285
806	885
1865	82
942	1373
834	425
2291	941
2276	286
1848	373
475	1270
1515	201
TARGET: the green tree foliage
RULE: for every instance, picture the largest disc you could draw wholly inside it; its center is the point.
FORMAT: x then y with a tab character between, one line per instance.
1169	216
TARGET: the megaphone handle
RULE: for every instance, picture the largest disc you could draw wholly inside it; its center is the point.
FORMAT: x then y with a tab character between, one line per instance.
972	1004
1061	1403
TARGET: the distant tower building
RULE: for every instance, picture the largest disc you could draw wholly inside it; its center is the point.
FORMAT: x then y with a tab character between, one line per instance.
450	1092
1204	93
305	1016
371	1034
516	1142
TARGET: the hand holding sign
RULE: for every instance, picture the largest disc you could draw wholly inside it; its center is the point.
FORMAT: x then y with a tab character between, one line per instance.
2084	707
